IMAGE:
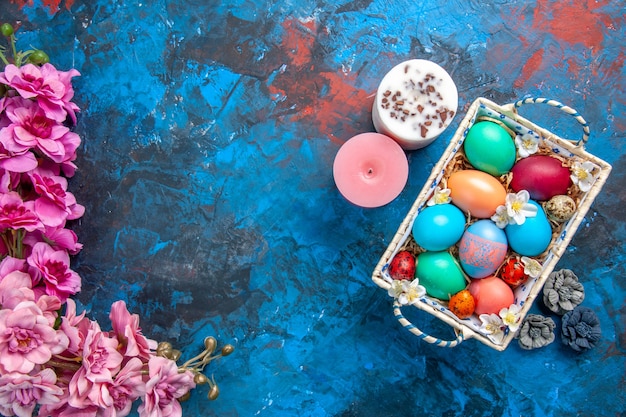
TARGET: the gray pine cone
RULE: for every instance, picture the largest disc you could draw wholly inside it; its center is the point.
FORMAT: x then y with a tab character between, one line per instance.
536	331
562	291
580	329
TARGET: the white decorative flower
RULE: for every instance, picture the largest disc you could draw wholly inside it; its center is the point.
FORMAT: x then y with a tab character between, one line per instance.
527	144
492	326
411	292
440	196
396	288
582	175
518	208
511	317
501	218
532	267
406	292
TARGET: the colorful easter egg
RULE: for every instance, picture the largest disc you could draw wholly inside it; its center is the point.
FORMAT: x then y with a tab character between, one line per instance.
542	176
491	295
402	266
440	274
560	208
490	148
482	249
513	272
462	304
533	236
438	227
476	192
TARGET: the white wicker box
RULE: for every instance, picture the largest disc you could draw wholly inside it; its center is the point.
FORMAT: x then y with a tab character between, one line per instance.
562	234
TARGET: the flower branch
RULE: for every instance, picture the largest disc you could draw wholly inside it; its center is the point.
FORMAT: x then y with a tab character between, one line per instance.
55	361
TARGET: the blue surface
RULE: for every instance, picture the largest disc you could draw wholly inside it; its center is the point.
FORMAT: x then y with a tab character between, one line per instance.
209	132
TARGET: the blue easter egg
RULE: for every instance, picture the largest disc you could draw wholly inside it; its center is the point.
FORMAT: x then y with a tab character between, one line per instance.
482	249
533	236
438	227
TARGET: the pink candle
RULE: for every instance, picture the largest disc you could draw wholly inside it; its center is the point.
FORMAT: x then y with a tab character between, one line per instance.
370	170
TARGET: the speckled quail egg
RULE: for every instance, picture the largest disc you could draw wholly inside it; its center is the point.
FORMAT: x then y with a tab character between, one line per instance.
560	208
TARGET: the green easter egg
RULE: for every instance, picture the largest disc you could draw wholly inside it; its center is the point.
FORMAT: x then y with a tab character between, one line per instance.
440	274
489	148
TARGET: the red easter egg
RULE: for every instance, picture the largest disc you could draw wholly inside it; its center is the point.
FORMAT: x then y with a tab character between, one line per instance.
462	304
491	295
402	266
542	176
513	272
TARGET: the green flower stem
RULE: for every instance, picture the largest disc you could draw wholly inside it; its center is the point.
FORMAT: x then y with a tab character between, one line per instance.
13	241
13	48
4	58
64	365
6	241
19	248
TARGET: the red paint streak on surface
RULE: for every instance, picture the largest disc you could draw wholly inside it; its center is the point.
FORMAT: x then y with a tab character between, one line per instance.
573	66
323	98
572	21
532	65
342	100
53	6
299	40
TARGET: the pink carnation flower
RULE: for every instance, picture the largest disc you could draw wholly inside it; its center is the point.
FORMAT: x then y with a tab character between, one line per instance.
27	338
63	409
75	326
59	238
55	204
126	328
50	306
53	268
29	128
50	87
165	385
101	362
67	167
126	388
115	398
17	162
15	287
10	264
17	214
9	180
21	393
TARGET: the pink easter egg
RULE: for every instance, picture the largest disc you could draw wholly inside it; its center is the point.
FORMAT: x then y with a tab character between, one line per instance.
491	295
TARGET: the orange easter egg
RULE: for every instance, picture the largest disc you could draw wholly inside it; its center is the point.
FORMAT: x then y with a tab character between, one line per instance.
462	304
476	192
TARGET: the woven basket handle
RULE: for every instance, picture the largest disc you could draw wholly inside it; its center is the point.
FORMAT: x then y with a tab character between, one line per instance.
423	336
563	108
